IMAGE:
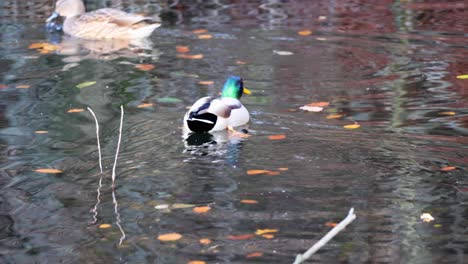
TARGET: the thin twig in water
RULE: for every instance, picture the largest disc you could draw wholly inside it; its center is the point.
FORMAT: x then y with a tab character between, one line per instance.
303	257
118	145
117	217
98	200
97	136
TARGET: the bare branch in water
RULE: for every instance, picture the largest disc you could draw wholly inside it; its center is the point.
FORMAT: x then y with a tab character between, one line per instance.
97	136
98	200
118	145
117	217
303	257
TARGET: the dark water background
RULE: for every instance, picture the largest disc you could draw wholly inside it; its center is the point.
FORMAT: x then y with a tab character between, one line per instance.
390	66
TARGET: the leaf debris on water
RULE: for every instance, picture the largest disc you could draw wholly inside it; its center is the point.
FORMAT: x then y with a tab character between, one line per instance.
426	217
283	52
169	237
48	171
85	84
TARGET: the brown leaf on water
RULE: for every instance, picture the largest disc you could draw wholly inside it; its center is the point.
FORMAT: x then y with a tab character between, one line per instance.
304	32
199	31
240	237
144	67
104	226
196	262
75	110
205	241
144	105
334	116
41	131
48	171
182	49
254	172
169	237
277	137
206	82
331	224
201	209
23	86
254	255
191	57
447	113
205	36
239	62
265	231
248	201
353	126
448	168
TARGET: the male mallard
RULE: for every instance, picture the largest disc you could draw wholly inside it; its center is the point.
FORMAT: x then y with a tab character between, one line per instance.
210	114
105	23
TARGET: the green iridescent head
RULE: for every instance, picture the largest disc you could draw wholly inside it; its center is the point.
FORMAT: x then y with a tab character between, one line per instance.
234	88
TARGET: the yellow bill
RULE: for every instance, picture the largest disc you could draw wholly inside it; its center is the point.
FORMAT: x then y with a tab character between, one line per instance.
247	91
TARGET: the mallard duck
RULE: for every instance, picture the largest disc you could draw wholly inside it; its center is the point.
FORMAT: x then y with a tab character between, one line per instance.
105	23
209	114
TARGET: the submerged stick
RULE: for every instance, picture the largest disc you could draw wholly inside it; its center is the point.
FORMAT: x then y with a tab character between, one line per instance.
118	145
303	257
117	217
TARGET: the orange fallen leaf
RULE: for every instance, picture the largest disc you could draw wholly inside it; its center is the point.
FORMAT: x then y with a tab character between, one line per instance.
283	169
188	56
144	67
331	224
201	209
448	168
49	171
311	108
205	82
182	49
353	126
143	105
247	201
104	226
333	116
254	172
277	137
319	104
304	32
273	173
170	237
268	236
239	62
205	241
23	86
41	131
199	31
38	45
205	36
240	237
75	110
196	262
449	113
265	231
254	255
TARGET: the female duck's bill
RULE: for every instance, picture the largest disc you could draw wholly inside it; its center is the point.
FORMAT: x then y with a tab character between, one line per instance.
105	23
210	114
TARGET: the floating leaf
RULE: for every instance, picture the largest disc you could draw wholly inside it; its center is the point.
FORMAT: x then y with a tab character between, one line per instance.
268	236
254	172
283	52
239	62
448	168
462	77
265	231
277	137
322	18
205	36
41	131
320	104
448	113
247	201
196	262
304	32
144	105
49	171
36	45
169	100
283	169
331	224
182	49
321	38
161	206
273	173
144	67
85	84
182	206
311	108
199	31
201	209
205	241
104	226
240	237
437	225
333	116
170	237
23	86
75	110
353	126
254	255
2	86
205	82
427	217
188	56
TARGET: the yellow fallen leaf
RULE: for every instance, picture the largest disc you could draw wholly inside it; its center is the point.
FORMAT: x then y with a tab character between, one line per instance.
75	110
85	84
427	217
182	49
353	126
41	131
437	225
49	47
49	171
277	137
449	113
36	45
304	32
182	206
268	236
205	241
247	201
201	209
144	105
205	82
265	231
333	116
196	262
23	86
104	226
170	237
205	36
462	77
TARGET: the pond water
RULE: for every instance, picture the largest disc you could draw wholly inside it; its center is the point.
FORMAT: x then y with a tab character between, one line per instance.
390	67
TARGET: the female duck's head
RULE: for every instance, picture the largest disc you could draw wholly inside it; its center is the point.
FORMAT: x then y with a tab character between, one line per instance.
234	88
67	8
